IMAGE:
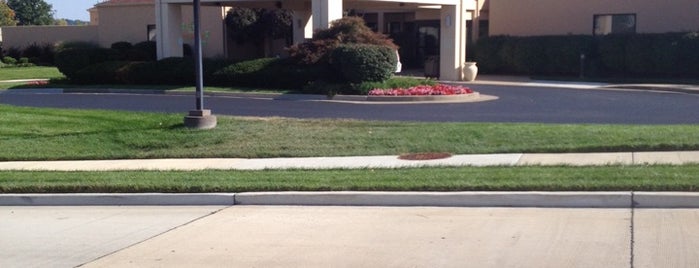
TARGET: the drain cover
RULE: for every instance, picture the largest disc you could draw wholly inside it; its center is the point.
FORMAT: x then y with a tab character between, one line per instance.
424	156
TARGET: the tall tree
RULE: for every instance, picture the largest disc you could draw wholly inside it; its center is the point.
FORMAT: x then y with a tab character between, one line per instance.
259	26
32	12
7	15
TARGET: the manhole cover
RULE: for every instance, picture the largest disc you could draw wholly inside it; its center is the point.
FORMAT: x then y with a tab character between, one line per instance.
424	156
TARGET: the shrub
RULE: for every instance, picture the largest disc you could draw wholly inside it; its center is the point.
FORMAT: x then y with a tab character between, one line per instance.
665	55
143	51
121	46
171	71
9	60
268	73
395	82
328	88
70	60
187	50
14	52
32	51
109	72
488	54
561	55
247	73
48	54
364	63
347	30
76	45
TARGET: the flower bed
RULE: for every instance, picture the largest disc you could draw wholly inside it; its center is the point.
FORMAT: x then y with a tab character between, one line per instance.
423	90
38	83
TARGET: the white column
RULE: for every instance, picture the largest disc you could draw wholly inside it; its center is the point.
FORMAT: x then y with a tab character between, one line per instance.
168	19
452	43
303	27
381	27
302	24
324	12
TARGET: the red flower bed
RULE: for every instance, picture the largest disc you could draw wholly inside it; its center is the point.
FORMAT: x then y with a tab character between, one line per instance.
38	83
423	90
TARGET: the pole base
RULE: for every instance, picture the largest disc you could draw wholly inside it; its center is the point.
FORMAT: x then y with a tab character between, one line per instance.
200	119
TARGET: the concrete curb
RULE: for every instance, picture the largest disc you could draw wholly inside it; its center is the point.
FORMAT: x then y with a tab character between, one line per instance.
442	199
687	89
446	199
666	199
97	199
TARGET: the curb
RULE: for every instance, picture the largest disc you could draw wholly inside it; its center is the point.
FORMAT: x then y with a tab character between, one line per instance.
439	199
144	199
687	89
666	199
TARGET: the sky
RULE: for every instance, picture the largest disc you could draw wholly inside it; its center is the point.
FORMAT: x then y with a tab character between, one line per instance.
72	9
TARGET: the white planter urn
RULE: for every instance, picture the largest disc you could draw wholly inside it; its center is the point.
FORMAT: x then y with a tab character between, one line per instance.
470	71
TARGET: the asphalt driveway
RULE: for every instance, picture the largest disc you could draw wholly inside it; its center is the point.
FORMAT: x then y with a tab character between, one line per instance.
514	104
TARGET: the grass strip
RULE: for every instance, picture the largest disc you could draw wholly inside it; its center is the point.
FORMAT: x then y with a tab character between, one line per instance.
604	178
63	134
37	72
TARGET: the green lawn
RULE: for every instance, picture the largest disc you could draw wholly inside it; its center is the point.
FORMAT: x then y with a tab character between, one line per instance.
38	72
605	178
42	134
49	134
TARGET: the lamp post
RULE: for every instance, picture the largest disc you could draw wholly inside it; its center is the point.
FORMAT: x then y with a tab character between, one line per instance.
200	118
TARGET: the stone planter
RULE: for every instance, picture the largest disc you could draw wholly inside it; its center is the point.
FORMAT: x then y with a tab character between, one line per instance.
470	71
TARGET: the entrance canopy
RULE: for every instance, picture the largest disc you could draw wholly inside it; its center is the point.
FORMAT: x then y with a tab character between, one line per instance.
310	15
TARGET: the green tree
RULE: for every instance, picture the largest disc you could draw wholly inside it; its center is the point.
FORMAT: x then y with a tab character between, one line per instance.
60	22
259	26
347	30
32	12
7	15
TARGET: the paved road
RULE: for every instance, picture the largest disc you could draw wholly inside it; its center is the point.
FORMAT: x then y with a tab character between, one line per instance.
515	104
289	236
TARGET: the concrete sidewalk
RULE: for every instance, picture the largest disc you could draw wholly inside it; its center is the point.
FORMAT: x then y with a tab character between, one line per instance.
328	236
422	237
358	162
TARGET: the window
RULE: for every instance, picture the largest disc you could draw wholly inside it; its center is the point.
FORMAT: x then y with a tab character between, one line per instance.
614	24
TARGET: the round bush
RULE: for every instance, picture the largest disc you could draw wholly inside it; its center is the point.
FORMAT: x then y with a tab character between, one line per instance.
69	61
143	51
9	60
364	63
123	45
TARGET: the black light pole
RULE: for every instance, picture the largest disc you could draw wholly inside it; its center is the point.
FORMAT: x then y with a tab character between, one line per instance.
199	118
197	55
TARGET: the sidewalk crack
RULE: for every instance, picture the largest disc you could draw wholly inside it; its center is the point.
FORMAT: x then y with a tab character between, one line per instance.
632	230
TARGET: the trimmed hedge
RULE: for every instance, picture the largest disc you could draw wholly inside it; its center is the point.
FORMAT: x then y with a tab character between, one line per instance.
169	71
71	60
108	72
268	73
364	63
73	57
658	55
